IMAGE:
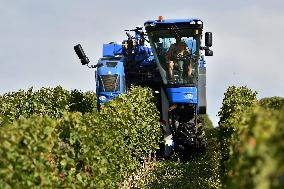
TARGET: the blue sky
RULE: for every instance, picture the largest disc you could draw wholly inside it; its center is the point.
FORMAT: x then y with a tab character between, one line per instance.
37	39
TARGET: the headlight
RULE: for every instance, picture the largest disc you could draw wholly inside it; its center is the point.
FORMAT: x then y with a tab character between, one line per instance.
189	96
192	22
199	22
102	98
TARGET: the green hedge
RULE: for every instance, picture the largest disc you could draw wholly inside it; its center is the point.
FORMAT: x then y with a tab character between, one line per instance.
91	150
257	154
46	101
276	103
24	150
91	155
251	139
236	101
135	115
74	151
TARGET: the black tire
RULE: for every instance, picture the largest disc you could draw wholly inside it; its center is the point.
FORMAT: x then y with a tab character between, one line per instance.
185	139
190	138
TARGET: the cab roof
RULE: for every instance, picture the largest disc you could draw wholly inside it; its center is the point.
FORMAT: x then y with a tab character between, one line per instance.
194	23
172	21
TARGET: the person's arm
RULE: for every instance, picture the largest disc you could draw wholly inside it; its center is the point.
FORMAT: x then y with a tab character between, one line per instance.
169	54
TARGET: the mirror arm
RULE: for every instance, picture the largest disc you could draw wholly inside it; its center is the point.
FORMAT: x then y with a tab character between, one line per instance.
204	48
95	66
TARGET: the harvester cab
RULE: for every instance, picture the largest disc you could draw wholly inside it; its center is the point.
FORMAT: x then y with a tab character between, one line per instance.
176	45
178	41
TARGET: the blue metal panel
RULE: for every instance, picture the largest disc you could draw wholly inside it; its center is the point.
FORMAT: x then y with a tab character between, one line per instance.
144	56
180	95
110	67
110	50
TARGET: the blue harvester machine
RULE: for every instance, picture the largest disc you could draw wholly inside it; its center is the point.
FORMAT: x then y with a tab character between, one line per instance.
142	59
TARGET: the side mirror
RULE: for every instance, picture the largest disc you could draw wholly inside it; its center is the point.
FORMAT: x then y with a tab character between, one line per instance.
208	39
80	53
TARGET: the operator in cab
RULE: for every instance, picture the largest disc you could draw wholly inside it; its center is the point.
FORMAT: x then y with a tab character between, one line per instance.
179	57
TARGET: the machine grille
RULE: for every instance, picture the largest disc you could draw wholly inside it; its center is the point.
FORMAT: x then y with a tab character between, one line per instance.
110	83
111	64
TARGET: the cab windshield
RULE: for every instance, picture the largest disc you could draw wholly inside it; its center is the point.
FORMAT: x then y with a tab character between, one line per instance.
177	56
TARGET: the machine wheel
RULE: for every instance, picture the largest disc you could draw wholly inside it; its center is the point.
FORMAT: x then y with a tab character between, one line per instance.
185	139
190	138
